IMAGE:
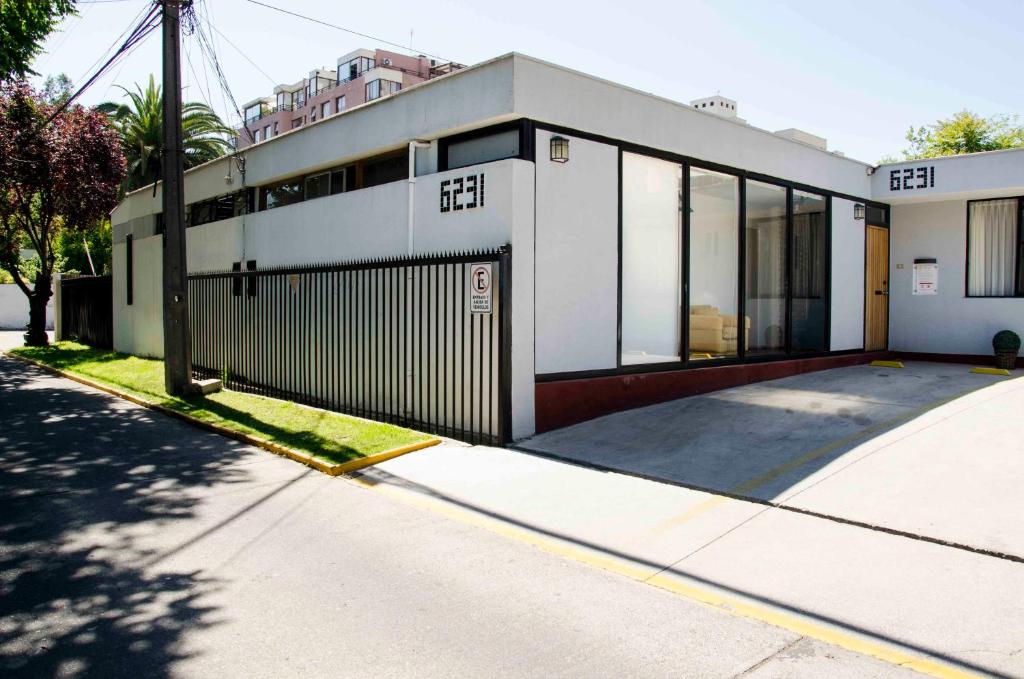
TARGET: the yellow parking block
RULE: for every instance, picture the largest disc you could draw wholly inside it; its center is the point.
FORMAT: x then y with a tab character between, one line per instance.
990	371
887	364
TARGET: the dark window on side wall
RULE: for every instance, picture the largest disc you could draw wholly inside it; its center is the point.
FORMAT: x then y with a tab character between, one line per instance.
385	170
236	280
318	185
285	193
497	146
129	269
250	278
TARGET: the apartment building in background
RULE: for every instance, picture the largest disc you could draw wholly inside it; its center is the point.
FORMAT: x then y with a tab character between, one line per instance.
361	76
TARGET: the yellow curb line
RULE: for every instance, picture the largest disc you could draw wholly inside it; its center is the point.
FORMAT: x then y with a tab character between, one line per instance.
886	364
990	371
681	585
276	448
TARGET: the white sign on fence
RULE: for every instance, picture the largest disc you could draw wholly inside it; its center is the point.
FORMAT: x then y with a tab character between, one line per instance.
480	288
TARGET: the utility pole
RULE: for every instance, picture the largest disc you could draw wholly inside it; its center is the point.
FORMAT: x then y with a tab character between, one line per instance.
177	344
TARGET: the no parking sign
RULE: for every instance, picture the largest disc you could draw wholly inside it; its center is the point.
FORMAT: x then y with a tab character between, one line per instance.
480	288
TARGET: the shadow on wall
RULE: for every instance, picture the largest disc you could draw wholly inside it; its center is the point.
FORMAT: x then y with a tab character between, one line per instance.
84	481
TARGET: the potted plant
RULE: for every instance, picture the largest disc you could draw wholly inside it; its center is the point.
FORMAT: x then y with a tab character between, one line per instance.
1006	344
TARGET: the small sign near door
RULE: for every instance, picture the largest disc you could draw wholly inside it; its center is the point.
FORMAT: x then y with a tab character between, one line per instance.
480	288
926	277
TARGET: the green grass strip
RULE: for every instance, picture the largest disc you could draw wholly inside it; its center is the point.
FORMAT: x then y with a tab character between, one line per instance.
332	437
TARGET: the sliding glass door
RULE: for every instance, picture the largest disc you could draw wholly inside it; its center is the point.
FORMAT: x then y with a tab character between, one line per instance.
719	267
714	246
809	278
651	259
765	261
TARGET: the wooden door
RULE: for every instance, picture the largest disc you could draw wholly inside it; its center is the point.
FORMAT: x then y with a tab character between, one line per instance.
876	292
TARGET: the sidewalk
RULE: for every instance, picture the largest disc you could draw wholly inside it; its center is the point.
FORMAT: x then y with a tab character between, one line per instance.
862	589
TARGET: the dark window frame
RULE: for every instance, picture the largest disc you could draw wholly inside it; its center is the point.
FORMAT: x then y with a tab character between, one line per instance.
129	264
718	167
527	134
1018	271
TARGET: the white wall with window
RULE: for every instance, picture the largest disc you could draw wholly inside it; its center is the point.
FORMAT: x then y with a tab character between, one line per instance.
952	321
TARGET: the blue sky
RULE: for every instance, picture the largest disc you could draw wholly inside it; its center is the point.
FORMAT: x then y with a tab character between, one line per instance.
858	73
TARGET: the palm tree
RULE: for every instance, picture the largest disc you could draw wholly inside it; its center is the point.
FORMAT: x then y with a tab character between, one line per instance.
140	124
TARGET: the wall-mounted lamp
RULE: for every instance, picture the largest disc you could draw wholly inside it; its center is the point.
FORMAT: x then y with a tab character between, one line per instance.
559	149
858	211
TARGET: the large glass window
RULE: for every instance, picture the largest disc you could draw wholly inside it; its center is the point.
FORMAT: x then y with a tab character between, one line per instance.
993	244
483	149
809	255
282	194
651	258
714	265
375	89
318	185
765	268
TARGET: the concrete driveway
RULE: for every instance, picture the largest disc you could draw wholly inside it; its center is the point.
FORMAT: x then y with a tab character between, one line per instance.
930	450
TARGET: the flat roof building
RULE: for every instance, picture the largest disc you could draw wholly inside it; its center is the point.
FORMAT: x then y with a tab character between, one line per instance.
651	249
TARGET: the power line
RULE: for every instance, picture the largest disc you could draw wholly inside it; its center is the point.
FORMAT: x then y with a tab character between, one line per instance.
138	34
211	56
347	30
244	55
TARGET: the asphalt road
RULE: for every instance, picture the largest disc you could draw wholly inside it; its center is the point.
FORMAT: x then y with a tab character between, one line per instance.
134	545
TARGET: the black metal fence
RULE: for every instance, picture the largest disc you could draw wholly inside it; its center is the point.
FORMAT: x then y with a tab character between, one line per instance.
389	340
87	310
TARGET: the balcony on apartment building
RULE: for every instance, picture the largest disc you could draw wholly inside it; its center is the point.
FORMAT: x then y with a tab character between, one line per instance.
360	76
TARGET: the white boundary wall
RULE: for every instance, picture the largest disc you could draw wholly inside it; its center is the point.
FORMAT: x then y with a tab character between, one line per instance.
14	309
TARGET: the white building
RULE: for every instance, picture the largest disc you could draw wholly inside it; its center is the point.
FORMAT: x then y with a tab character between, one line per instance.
657	250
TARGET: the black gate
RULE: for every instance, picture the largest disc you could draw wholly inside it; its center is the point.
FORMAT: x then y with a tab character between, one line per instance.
389	340
87	310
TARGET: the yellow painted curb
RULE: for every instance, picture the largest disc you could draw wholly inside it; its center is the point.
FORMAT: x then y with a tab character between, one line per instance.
276	448
887	364
990	371
369	460
685	587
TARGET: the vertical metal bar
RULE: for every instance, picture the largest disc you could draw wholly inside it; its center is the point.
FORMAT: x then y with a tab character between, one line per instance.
443	423
490	368
505	367
374	384
462	349
472	355
436	316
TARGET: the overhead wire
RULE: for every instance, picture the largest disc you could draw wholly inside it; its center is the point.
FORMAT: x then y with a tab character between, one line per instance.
196	28
404	48
142	29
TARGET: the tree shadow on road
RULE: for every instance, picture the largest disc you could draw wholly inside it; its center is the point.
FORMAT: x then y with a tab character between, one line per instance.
87	482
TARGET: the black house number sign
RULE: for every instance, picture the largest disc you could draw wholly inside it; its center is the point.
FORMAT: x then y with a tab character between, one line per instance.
910	178
462	193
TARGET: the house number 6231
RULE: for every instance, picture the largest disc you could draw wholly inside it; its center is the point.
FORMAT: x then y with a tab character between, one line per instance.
462	193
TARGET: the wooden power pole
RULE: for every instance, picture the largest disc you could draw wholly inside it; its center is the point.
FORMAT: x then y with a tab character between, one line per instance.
177	344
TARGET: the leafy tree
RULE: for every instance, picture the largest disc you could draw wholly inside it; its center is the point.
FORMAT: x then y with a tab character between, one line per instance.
24	24
55	178
57	89
140	125
75	250
965	132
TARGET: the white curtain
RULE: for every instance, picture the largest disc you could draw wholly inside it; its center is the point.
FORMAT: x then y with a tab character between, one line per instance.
993	242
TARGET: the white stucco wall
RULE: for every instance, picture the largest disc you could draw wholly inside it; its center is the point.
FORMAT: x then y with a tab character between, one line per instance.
14	309
138	328
577	258
847	277
948	322
552	94
972	176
